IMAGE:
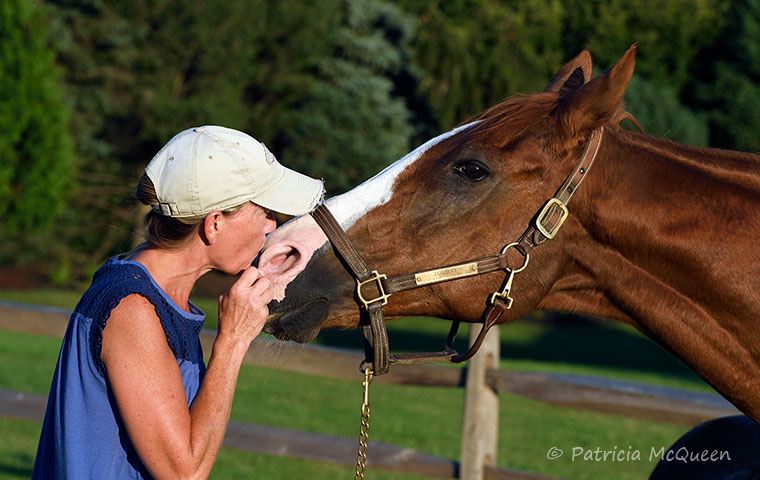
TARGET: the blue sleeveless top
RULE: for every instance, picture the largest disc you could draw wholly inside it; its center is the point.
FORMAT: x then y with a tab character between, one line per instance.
83	436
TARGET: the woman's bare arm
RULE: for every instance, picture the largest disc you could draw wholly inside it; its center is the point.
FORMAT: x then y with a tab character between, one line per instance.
172	440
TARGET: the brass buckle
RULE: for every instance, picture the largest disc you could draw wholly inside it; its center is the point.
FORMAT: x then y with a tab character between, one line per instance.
376	277
550	233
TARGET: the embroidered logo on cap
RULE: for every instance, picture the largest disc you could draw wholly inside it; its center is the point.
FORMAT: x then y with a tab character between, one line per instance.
269	155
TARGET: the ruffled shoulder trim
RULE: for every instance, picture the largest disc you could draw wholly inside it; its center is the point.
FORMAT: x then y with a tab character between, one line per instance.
116	280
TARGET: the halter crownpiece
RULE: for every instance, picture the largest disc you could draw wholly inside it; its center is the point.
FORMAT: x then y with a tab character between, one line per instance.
373	289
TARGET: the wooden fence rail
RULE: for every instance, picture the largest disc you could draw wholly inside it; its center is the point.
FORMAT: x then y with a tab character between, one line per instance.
662	404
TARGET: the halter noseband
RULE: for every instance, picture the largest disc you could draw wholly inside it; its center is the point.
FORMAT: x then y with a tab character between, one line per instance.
373	288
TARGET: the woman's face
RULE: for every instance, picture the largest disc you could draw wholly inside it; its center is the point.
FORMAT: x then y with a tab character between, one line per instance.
242	236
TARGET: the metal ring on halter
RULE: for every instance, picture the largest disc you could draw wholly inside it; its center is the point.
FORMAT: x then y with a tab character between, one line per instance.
363	365
526	256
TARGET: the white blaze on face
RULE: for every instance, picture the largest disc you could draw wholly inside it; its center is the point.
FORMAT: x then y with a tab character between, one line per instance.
378	190
290	247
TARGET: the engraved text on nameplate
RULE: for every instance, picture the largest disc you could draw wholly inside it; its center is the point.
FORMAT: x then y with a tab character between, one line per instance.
447	273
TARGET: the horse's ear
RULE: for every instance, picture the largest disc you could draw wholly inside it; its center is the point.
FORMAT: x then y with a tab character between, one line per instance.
572	75
598	101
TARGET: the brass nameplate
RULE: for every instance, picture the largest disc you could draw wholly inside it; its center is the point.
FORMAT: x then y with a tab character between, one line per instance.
447	273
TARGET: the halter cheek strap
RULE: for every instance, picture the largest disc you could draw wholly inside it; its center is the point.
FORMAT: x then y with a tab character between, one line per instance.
376	338
554	212
373	289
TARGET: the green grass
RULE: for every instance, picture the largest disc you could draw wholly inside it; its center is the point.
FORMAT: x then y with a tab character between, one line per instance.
424	418
18	445
233	464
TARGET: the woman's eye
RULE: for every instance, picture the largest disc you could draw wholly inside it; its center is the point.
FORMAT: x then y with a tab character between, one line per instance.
472	171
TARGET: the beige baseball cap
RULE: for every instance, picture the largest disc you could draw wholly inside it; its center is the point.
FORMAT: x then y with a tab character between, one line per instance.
214	168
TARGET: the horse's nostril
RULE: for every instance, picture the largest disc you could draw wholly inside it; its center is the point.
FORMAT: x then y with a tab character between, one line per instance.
282	262
279	258
289	260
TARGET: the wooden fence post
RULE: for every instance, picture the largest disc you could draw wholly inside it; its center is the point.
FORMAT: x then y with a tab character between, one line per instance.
480	422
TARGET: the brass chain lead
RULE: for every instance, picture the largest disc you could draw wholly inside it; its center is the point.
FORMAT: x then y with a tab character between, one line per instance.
361	459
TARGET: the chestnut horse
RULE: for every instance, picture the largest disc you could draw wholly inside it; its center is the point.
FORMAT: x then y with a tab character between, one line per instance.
660	235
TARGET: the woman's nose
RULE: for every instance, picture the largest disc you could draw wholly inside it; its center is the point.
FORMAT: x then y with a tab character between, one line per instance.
270	226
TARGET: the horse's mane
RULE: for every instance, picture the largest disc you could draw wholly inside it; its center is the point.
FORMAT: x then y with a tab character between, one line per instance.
505	122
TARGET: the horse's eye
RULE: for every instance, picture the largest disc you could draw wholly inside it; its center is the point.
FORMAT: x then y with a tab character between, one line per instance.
472	171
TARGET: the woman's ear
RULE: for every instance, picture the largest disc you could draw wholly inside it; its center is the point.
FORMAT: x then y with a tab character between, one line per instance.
212	225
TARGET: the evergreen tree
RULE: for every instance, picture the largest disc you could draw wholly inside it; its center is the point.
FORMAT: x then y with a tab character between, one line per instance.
726	80
35	147
136	74
348	125
669	34
313	80
661	114
335	88
474	53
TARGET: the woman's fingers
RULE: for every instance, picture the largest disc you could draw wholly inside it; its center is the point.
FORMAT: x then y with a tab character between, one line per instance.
248	277
244	308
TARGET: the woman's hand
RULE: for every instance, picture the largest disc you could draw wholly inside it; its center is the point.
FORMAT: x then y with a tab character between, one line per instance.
243	309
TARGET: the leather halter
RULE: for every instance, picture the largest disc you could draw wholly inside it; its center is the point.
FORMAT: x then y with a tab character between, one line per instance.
373	288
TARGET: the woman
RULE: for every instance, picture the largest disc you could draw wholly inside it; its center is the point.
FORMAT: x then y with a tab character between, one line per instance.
131	396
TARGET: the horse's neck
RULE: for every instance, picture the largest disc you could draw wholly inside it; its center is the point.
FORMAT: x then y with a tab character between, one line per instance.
666	241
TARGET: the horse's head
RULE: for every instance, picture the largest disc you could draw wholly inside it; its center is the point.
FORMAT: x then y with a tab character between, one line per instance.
465	194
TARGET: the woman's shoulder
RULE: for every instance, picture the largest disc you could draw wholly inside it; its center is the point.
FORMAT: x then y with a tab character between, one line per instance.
134	320
136	303
133	316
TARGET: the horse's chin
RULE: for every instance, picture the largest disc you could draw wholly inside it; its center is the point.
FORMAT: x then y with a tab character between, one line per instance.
300	323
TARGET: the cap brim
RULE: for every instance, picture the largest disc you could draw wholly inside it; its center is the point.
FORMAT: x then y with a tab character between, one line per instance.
293	194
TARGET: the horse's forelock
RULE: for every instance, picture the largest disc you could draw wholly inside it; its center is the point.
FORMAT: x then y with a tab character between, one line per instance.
505	122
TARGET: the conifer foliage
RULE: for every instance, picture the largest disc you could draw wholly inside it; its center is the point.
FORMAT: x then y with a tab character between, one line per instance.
35	147
338	89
